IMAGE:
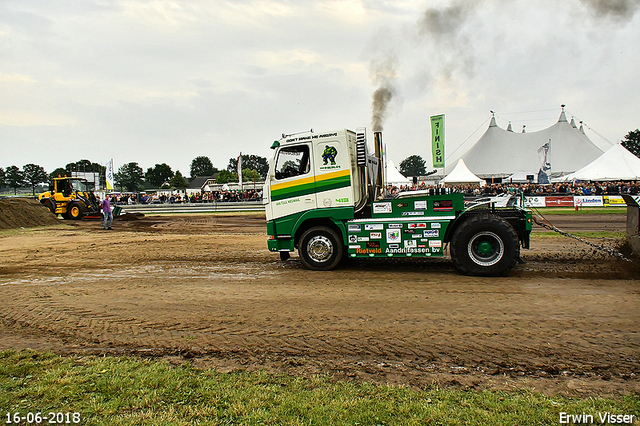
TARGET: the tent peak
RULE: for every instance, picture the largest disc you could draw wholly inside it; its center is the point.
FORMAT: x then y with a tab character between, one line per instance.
493	120
573	123
563	116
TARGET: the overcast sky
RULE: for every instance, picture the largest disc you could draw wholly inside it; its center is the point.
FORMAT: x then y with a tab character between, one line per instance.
166	81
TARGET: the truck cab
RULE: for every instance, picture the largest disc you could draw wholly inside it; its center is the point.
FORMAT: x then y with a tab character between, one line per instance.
312	179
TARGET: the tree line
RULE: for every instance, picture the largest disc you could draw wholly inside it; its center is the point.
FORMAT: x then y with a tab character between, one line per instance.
131	177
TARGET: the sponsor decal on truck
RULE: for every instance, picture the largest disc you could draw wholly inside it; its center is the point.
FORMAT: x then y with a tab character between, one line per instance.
393	236
374	227
382	208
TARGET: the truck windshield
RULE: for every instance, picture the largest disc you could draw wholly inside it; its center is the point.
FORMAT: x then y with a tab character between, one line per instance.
292	161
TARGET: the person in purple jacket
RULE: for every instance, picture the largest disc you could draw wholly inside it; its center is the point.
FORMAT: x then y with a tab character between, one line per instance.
106	211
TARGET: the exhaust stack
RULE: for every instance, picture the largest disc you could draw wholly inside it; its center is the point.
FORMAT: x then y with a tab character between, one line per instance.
381	179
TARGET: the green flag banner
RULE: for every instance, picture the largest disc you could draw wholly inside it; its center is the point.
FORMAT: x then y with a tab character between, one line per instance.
437	140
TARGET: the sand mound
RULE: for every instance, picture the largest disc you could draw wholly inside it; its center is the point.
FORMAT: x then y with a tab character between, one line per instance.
24	213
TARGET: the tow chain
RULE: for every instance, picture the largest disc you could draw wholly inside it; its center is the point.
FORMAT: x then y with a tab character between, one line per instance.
546	224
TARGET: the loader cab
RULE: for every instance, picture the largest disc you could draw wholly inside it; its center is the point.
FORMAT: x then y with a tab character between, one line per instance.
67	186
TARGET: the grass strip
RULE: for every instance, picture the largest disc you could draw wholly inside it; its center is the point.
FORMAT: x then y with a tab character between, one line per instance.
132	391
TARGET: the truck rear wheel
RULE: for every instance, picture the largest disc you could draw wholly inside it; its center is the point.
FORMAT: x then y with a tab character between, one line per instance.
75	211
320	248
485	245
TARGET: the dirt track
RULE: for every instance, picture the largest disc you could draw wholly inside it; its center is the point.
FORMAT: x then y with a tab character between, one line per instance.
205	288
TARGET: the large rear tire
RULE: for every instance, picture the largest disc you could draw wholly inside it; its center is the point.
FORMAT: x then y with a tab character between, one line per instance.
485	245
320	248
75	211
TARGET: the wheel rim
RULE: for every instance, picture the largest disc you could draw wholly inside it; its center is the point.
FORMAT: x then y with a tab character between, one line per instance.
320	248
75	211
485	248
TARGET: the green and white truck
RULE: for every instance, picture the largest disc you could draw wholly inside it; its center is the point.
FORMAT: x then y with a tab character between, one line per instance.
325	196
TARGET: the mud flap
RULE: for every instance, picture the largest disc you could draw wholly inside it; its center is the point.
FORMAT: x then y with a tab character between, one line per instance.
285	255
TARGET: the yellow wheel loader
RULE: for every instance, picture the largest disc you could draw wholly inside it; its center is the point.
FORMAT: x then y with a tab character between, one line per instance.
70	197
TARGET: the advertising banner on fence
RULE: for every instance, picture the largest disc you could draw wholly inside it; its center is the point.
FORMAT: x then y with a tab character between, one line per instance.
613	200
588	200
578	200
534	202
559	201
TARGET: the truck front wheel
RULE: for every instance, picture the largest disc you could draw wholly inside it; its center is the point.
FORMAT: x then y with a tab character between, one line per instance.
320	248
485	245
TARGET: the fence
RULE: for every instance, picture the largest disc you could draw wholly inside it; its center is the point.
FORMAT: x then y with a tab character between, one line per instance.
194	207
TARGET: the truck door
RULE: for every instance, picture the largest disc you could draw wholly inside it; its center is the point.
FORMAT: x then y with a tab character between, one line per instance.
292	182
333	171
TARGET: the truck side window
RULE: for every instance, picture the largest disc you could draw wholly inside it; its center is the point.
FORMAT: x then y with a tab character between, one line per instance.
292	161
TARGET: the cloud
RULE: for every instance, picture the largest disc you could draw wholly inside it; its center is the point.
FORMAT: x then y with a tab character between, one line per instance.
16	78
619	9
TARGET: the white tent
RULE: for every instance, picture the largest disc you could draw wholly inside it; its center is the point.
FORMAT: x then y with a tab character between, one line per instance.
461	174
501	153
617	163
394	177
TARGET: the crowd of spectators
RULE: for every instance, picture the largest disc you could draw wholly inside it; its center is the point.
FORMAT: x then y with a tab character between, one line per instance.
199	197
528	189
